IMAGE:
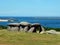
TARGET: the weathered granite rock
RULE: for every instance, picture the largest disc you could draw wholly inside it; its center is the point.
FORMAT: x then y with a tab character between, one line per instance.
57	32
43	30
36	26
21	29
24	23
51	32
31	29
26	29
14	29
13	26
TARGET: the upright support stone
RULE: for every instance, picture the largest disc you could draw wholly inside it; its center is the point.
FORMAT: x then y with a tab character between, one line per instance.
14	28
40	29
43	30
36	26
31	29
26	29
21	29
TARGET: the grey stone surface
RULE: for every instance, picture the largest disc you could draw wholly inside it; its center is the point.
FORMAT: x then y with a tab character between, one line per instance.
12	24
51	32
57	32
21	29
26	29
24	23
31	29
43	30
14	29
35	24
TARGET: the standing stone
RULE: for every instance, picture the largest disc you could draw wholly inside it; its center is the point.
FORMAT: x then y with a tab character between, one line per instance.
21	29
31	29
26	29
43	30
37	26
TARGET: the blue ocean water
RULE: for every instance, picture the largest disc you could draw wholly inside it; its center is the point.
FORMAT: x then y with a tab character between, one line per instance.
53	23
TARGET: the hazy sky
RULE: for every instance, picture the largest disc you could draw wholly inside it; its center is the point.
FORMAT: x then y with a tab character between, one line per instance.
29	7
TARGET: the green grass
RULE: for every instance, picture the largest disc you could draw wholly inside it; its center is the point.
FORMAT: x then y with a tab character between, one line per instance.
21	38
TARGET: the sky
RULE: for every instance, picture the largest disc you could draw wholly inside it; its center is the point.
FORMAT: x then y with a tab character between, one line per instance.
31	8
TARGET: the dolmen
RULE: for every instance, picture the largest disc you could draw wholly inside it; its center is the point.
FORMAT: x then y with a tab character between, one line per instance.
26	27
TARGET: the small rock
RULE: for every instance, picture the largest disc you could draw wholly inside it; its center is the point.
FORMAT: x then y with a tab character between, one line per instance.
51	32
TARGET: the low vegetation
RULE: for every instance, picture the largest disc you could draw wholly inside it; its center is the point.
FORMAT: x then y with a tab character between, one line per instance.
3	27
21	38
47	28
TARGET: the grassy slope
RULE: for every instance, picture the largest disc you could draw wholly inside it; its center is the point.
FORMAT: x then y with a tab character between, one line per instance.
20	38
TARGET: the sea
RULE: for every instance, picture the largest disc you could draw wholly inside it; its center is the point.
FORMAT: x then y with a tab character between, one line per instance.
52	22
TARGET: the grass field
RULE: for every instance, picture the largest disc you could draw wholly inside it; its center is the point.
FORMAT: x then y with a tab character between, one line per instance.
21	38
